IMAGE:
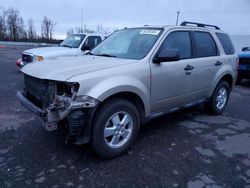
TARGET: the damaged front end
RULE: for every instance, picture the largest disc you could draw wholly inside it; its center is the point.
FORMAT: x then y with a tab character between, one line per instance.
55	101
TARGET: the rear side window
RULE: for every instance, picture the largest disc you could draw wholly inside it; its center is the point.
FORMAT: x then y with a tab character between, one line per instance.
226	43
205	45
179	40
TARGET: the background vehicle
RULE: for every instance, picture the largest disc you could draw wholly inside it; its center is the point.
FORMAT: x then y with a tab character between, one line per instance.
244	65
133	76
74	44
246	49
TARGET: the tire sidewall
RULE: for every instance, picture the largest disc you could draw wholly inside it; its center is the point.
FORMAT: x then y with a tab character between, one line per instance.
101	118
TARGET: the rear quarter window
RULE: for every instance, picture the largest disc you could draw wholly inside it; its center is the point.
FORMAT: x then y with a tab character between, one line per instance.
226	43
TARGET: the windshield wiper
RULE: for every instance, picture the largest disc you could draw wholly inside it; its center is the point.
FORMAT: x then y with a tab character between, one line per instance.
105	55
65	45
89	53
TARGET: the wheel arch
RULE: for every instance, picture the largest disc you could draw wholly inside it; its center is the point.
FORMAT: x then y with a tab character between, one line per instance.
133	98
226	77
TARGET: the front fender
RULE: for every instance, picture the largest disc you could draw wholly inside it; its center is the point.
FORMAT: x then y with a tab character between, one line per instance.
114	85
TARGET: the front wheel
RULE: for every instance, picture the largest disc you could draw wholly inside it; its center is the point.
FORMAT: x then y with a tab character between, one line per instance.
219	99
115	128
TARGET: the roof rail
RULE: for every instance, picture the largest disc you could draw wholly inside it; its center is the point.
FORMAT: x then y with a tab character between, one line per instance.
185	23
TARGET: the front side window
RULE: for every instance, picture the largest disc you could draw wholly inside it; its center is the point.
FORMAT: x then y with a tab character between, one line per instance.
73	41
128	43
179	40
92	41
205	45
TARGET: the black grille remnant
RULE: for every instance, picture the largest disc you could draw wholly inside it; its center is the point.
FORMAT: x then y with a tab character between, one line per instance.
27	58
40	92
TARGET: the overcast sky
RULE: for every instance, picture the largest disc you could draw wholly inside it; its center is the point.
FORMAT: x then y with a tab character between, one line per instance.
231	15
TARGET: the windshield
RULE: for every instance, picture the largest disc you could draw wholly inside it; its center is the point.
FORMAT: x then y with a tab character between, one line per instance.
128	43
73	41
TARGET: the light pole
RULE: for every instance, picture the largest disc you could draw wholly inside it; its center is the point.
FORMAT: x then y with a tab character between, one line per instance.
82	21
177	17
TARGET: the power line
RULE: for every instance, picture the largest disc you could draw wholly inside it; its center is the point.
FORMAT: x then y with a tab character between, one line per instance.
211	12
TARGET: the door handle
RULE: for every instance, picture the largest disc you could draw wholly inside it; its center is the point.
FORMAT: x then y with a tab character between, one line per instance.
218	63
188	68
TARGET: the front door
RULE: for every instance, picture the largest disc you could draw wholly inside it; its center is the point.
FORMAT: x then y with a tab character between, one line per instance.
173	83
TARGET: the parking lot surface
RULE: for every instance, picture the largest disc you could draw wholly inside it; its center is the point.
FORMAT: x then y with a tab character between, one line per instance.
186	149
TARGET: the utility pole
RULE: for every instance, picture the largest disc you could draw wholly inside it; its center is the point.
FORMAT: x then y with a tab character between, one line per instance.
177	18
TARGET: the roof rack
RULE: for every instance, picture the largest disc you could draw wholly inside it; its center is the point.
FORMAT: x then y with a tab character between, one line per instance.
185	23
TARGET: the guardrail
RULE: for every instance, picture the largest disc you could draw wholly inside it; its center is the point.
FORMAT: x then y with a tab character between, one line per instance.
10	43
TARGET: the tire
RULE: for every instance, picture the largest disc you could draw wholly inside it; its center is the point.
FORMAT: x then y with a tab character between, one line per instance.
110	137
218	102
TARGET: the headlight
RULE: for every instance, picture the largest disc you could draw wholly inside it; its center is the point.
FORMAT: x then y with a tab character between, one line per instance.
38	58
67	89
84	102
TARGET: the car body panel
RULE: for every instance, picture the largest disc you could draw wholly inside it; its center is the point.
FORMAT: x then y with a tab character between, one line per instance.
165	94
53	52
63	68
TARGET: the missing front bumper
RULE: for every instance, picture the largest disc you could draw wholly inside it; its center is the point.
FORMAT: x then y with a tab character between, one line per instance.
42	114
79	118
38	111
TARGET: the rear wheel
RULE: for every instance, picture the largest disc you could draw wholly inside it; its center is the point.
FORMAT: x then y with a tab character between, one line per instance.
115	128
219	99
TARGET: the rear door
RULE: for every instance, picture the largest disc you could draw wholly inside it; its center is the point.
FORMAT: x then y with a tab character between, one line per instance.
208	62
172	83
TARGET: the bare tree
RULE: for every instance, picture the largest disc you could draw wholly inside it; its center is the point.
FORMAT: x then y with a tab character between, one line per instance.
70	31
14	24
78	30
12	16
47	28
87	30
99	28
3	30
31	29
21	32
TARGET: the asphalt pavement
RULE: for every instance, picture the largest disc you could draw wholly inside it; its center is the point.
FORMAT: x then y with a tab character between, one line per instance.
185	149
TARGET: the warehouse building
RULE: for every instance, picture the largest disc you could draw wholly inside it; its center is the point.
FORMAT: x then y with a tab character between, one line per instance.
240	41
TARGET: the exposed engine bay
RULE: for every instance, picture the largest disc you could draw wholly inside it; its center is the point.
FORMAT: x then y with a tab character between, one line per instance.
58	101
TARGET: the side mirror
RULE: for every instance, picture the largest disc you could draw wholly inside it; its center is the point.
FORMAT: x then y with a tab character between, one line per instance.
85	48
167	55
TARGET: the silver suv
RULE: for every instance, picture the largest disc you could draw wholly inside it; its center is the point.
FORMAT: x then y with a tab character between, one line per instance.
134	75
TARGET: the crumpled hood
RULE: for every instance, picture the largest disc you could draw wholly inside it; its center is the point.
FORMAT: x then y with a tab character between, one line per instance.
47	52
63	68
